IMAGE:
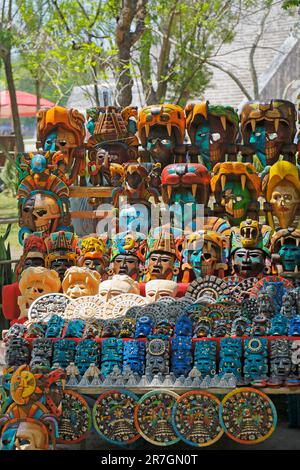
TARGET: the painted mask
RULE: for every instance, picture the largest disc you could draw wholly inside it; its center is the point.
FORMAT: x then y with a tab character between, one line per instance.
157	289
161	128
285	200
267	127
119	284
236	187
282	191
79	282
212	128
35	282
248	263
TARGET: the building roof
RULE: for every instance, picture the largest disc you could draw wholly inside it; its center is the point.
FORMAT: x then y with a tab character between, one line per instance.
276	43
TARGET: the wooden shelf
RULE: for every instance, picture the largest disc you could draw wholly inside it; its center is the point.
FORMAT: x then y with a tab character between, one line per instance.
90	191
181	391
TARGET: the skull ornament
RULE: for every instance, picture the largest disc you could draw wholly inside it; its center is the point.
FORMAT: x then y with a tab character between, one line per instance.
45	213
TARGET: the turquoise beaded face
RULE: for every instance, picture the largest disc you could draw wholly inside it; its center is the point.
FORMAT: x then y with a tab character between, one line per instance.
290	257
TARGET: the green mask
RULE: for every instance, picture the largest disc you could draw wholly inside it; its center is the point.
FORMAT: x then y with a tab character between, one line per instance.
236	201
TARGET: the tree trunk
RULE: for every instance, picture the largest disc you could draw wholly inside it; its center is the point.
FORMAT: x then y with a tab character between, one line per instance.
96	90
124	82
13	100
38	94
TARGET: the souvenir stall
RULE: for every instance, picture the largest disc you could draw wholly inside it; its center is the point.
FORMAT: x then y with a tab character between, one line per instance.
180	331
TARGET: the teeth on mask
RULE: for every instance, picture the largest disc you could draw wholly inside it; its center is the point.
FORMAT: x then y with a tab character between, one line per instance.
169	129
194	189
223	121
297	241
296	269
223	182
282	241
253	125
243	181
169	191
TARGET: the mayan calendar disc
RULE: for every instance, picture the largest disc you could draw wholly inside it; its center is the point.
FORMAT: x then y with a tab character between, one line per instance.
113	417
76	419
261	283
153	417
118	306
44	307
210	286
84	308
248	416
195	418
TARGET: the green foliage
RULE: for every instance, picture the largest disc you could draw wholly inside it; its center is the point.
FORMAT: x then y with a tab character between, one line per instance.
8	176
290	4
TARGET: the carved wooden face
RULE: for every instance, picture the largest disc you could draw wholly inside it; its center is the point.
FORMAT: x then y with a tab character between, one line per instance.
157	289
127	264
161	265
39	212
284	200
116	286
31	436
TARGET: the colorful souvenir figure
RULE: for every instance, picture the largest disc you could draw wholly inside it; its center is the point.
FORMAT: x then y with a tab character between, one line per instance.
27	423
35	282
203	254
231	357
184	183
269	129
43	205
62	252
163	255
249	249
255	363
128	253
205	358
111	355
213	129
285	249
157	357
133	183
113	130
119	284
281	187
181	355
61	132
79	282
161	129
280	361
94	255
236	187
34	252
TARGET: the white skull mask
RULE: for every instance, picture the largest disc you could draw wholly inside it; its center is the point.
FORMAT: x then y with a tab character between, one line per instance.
45	211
